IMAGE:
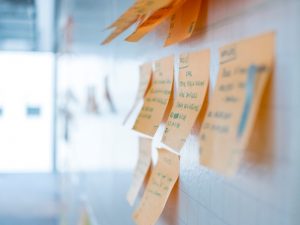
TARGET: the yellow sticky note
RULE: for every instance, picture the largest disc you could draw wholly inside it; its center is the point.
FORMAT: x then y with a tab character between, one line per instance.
157	98
183	22
193	85
245	68
141	169
154	20
144	85
159	187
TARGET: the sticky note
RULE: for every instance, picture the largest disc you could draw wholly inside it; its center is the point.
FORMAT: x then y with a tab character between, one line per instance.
157	98
245	68
183	21
141	169
139	11
192	88
158	189
145	75
154	20
144	81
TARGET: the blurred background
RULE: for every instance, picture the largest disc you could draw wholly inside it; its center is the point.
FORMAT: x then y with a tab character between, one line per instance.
61	107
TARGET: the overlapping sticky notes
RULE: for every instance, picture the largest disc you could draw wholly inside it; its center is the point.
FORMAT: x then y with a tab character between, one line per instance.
193	84
144	84
139	11
155	19
245	68
148	14
157	98
183	22
141	169
159	187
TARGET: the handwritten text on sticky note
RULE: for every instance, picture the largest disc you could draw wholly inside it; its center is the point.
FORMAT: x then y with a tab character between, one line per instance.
245	68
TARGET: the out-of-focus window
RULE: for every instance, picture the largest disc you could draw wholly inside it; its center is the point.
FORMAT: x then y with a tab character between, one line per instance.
26	109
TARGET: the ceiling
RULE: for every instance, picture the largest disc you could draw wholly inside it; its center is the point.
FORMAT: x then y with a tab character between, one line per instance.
26	25
72	26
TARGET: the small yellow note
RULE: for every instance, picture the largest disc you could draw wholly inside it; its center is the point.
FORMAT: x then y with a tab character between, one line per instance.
140	171
157	98
159	187
154	20
245	68
144	85
183	22
193	85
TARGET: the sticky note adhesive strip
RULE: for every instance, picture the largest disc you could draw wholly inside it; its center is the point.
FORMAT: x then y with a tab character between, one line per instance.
193	84
245	68
159	187
183	22
145	76
157	98
141	169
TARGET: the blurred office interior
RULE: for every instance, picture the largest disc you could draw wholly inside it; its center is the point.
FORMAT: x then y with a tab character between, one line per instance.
61	105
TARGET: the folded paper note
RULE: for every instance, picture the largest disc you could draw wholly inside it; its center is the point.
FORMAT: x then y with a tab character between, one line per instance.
159	187
141	169
193	84
183	21
157	98
155	19
245	68
138	12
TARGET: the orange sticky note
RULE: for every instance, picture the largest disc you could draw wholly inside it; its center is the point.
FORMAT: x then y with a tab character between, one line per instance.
183	22
159	187
193	85
157	98
245	68
140	171
140	10
144	85
154	20
144	82
118	31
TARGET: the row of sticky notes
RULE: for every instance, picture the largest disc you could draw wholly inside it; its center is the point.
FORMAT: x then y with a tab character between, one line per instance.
244	69
148	14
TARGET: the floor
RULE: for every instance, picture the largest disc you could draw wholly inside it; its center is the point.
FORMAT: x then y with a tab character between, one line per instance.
29	199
